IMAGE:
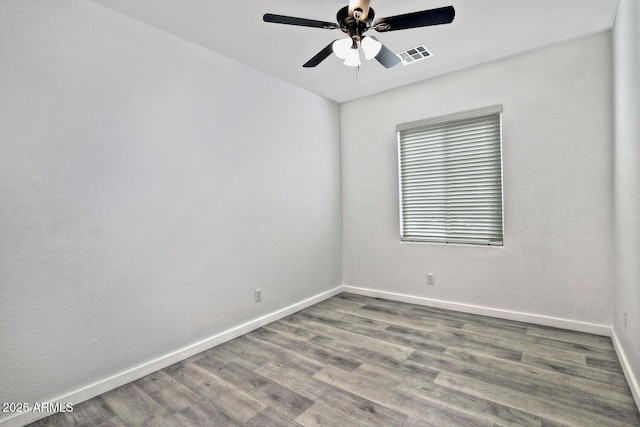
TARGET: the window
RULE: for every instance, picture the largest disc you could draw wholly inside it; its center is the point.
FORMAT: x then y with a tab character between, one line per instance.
451	178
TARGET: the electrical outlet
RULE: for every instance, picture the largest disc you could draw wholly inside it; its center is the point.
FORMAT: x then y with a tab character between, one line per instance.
258	295
431	280
624	320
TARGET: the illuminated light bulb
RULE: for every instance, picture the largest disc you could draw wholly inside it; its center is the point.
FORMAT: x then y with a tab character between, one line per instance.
371	47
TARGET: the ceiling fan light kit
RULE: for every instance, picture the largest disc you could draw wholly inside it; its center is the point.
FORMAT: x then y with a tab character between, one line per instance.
347	49
357	18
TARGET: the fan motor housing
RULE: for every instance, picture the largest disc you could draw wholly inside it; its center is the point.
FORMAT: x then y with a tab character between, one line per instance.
353	26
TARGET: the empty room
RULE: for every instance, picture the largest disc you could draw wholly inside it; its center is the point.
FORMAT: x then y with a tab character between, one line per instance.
320	213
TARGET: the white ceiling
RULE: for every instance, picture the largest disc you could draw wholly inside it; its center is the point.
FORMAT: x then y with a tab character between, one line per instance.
483	30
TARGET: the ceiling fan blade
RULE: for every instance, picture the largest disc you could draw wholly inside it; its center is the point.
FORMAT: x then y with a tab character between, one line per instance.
320	56
386	57
425	18
290	20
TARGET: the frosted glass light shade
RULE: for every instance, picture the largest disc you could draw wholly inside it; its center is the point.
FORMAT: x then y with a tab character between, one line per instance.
371	47
344	49
353	60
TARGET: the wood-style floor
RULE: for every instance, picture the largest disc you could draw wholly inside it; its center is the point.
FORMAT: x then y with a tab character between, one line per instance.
359	361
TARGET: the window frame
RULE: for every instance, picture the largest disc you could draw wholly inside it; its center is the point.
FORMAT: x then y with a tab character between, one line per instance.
439	121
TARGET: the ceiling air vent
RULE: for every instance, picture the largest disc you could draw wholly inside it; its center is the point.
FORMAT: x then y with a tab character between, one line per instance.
414	54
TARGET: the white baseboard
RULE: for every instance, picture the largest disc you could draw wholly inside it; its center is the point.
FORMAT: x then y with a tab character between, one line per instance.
137	372
631	376
536	319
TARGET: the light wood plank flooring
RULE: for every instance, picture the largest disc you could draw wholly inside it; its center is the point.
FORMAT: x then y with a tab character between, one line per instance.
359	361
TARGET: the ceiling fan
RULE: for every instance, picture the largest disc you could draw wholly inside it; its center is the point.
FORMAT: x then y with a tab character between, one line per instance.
357	18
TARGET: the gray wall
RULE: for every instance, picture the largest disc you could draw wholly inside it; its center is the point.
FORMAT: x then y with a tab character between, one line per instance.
557	153
627	183
147	186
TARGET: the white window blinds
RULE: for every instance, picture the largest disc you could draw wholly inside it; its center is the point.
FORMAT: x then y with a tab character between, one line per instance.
451	178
